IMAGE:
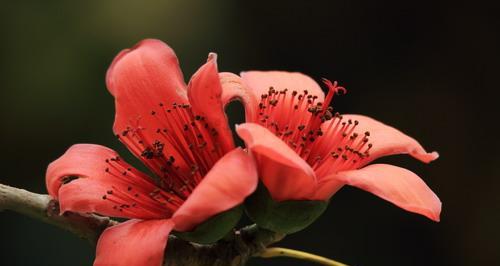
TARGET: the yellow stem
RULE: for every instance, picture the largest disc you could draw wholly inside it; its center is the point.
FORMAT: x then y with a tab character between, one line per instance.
285	252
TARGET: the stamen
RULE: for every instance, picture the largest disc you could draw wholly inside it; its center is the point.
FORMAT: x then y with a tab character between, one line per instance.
180	152
128	186
297	118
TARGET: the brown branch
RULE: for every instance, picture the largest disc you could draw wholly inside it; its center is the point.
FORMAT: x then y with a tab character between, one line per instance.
232	251
45	209
244	244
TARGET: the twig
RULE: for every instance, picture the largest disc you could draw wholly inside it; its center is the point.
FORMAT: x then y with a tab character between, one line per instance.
45	209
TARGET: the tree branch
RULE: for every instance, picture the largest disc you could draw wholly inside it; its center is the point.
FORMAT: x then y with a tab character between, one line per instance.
231	251
45	209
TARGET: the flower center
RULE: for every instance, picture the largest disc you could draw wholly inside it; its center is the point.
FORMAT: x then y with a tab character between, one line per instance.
324	139
180	150
133	190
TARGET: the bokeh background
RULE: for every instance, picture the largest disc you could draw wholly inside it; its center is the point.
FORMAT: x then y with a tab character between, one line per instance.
429	68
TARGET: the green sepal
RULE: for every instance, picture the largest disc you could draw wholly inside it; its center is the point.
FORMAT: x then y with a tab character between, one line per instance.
285	216
214	228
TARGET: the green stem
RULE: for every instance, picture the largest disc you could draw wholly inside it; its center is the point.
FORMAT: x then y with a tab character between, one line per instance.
296	254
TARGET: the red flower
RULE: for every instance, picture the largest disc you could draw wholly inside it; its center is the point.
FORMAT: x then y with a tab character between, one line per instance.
306	152
180	133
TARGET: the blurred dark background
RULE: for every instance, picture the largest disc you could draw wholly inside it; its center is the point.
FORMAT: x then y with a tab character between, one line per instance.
429	68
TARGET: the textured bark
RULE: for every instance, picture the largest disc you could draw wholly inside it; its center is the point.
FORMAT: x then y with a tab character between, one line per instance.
245	243
234	250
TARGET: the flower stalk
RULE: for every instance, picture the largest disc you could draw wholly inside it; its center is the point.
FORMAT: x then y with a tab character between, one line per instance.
297	254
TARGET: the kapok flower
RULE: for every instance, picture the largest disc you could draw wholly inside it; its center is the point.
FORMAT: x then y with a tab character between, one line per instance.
181	134
305	151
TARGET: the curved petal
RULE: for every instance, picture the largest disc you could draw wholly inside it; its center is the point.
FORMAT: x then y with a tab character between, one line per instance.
141	79
148	72
260	81
226	185
80	160
99	185
110	198
204	92
388	140
327	187
234	89
133	243
285	174
396	185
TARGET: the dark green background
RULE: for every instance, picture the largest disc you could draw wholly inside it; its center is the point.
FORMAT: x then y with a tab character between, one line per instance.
430	68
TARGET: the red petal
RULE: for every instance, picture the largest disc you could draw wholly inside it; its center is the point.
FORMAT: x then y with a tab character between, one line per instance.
285	174
204	92
149	72
233	89
85	194
134	243
327	187
140	79
81	160
388	140
260	81
396	185
226	185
